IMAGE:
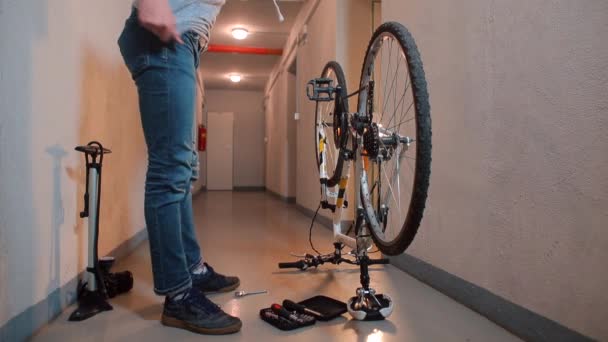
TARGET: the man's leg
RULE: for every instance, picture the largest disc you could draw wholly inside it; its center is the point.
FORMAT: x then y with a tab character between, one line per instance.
191	247
204	276
164	75
166	101
166	114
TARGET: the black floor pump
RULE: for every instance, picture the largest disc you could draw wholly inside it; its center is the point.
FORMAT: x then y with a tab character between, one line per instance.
99	284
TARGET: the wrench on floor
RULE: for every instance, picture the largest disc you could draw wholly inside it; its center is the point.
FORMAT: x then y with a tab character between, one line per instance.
240	294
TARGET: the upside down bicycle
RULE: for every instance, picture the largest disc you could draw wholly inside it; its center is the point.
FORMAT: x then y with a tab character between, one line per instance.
388	140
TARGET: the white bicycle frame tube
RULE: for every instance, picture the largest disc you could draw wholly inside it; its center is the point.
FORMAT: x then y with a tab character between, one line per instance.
93	188
334	197
339	236
338	197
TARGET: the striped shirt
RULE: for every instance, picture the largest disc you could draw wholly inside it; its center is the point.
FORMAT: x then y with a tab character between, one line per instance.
195	15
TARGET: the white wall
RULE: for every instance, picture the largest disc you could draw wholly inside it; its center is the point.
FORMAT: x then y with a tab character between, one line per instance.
354	29
519	186
62	83
248	133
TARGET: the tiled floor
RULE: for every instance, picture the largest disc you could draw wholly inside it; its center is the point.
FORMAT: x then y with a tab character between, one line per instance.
247	234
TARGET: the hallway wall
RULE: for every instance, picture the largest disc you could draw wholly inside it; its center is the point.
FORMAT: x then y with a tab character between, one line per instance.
62	83
519	186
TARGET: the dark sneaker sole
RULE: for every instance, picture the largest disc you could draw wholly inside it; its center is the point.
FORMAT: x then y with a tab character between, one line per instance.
225	289
176	323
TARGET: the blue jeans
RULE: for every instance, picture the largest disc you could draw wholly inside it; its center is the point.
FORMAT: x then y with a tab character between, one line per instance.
165	76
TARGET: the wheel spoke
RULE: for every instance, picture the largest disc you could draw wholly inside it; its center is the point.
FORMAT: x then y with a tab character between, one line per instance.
331	155
401	117
387	96
386	78
393	82
403	121
392	193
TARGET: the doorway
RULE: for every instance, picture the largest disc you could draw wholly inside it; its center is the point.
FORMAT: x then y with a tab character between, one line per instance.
220	151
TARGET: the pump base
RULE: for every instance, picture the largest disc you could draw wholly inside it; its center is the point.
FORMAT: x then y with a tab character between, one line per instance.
90	303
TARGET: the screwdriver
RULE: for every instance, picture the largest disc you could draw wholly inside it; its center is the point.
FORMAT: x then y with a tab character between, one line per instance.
279	310
291	306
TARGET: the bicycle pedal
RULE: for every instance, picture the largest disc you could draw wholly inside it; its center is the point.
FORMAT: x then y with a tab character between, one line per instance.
322	90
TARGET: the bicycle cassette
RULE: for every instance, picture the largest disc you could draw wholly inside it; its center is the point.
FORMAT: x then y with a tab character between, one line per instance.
371	140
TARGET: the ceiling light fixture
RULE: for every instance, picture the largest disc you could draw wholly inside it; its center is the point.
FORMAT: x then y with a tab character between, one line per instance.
236	78
239	33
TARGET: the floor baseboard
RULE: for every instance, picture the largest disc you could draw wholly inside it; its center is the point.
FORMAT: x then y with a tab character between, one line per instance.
514	318
290	200
249	188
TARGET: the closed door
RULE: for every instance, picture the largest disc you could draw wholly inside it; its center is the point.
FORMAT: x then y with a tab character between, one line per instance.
220	151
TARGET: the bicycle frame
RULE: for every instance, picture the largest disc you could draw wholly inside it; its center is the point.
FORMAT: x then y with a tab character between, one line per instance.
362	242
377	154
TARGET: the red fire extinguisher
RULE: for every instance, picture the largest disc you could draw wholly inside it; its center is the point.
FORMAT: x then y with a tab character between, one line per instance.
202	138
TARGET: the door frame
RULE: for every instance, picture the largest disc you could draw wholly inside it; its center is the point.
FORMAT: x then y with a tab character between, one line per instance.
208	182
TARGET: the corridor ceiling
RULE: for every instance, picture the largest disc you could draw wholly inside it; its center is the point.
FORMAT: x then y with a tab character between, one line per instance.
260	19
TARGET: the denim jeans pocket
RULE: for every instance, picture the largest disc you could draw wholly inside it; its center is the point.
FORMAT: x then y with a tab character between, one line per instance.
133	51
137	64
141	48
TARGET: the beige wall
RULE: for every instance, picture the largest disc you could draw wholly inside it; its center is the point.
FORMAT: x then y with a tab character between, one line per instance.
247	107
62	83
354	29
519	186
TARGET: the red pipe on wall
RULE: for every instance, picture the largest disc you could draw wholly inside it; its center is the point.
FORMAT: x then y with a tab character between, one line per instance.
244	50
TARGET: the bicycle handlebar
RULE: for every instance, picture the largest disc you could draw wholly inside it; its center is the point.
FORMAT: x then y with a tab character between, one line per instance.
314	261
378	262
298	264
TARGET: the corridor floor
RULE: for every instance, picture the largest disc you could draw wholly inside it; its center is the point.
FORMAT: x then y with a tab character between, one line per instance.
246	234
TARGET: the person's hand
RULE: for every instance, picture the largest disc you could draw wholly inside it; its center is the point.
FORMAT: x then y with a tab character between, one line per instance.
157	17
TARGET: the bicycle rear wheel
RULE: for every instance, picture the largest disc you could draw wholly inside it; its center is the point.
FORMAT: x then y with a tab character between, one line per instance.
397	144
330	127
